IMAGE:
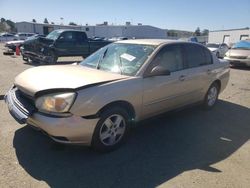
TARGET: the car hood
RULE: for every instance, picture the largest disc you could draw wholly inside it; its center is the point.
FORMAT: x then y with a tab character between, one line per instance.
15	42
239	52
213	49
43	78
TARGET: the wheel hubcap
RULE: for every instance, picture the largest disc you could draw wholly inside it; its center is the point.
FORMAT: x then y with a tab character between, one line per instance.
112	130
212	96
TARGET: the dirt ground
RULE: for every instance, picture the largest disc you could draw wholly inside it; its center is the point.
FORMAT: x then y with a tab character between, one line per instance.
188	148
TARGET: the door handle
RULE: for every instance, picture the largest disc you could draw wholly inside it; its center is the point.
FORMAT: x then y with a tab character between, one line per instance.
209	71
182	78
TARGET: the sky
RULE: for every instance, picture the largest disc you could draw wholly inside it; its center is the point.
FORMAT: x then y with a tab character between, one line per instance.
165	14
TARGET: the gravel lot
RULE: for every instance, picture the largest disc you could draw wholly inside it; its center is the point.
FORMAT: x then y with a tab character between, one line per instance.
189	148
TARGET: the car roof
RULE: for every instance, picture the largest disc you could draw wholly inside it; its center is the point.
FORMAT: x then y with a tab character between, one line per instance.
63	30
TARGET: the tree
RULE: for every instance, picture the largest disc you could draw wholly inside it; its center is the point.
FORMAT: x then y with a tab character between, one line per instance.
197	32
205	32
7	26
12	25
2	20
52	23
33	20
46	21
72	23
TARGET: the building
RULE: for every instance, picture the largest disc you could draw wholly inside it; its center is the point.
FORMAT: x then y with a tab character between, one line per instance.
129	31
229	37
41	28
100	30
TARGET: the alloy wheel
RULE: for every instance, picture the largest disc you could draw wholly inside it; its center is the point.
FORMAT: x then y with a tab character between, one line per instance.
212	96
112	130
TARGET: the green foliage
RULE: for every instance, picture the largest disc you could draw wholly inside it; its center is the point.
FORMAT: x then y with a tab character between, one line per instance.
46	21
2	20
197	32
7	26
205	32
72	23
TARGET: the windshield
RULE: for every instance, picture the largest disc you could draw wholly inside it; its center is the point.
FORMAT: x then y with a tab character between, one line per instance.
54	35
119	58
212	45
242	45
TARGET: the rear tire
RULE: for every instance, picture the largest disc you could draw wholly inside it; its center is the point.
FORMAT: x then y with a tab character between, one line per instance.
211	96
111	130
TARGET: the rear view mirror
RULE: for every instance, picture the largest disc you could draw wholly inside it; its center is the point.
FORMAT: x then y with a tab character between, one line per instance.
159	71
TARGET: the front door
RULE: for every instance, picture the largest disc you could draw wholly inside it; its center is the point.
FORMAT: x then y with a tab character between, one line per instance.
65	44
163	93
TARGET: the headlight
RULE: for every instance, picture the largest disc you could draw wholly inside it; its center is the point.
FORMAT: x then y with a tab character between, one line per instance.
248	57
56	102
227	54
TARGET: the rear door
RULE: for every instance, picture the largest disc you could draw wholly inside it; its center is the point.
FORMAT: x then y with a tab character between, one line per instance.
199	69
81	44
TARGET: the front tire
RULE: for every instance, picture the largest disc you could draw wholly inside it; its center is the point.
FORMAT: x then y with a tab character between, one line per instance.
111	130
218	55
211	96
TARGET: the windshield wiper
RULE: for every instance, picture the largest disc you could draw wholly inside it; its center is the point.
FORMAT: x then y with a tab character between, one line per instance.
101	58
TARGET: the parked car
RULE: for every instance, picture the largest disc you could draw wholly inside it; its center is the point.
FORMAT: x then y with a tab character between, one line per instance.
4	37
95	102
13	44
239	54
35	36
218	49
60	43
23	36
189	39
118	38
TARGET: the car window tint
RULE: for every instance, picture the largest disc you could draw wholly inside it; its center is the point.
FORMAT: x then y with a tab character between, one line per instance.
80	37
67	37
170	57
195	56
208	56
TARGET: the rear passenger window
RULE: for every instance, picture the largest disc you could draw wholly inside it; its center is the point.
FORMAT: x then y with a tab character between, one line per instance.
197	56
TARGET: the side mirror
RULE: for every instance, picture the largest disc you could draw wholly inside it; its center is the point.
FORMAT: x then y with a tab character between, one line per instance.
60	39
159	71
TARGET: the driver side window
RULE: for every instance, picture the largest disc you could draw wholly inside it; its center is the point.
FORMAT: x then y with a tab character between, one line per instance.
170	57
67	37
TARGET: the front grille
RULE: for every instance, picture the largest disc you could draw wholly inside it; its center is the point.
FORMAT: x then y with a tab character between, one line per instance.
22	102
239	57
